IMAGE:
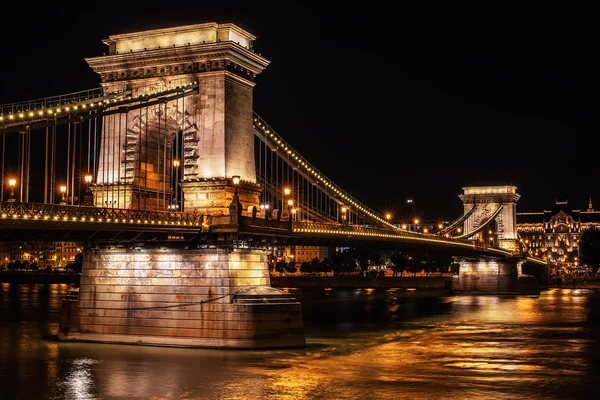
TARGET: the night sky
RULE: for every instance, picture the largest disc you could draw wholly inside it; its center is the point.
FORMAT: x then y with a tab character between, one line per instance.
388	102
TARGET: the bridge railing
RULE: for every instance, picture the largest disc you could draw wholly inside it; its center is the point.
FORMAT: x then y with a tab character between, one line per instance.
56	212
47	102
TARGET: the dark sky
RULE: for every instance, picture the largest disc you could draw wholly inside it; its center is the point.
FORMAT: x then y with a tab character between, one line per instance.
388	99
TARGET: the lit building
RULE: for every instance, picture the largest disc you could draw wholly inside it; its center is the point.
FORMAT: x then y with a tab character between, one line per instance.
45	254
4	254
300	254
555	234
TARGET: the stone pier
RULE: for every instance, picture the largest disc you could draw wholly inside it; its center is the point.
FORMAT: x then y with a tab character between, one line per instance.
490	276
217	298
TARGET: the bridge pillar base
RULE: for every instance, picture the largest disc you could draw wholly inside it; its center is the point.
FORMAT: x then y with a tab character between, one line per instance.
485	276
214	196
210	298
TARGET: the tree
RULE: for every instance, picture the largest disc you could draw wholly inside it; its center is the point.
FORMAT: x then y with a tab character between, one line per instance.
399	262
589	248
306	267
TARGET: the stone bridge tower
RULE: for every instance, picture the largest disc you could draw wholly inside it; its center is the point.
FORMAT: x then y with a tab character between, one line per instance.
490	200
213	128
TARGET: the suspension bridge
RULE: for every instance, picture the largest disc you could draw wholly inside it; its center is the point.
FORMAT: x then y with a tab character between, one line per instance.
178	190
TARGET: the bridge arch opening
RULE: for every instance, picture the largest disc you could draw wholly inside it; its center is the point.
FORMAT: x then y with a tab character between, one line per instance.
140	166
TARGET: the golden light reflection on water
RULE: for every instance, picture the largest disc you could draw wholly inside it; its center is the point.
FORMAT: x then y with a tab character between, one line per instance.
79	382
489	347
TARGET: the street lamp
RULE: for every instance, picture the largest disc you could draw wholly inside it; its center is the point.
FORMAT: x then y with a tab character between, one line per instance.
264	210
88	199
416	221
63	191
236	182
176	164
12	183
344	210
235	208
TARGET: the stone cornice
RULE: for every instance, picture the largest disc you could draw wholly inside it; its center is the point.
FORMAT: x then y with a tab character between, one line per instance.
502	198
181	54
177	71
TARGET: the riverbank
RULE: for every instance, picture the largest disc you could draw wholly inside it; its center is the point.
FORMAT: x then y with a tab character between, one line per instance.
423	284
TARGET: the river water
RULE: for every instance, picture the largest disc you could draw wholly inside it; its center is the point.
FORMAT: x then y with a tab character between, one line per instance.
361	344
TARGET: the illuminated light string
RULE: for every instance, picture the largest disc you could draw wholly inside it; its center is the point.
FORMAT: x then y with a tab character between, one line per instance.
280	143
83	219
80	107
414	237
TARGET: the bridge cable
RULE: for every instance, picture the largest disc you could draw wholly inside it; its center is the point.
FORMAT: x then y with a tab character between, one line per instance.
113	151
2	174
53	162
120	161
28	164
165	162
46	155
482	225
89	144
72	177
457	221
95	176
68	154
146	161
137	172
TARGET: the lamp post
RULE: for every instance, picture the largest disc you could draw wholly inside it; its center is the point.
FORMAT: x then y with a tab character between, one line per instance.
235	208
63	191
176	164
416	221
264	210
12	182
88	198
236	182
344	211
286	193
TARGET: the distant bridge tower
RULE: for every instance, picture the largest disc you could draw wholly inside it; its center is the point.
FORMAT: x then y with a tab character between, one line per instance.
213	128
493	204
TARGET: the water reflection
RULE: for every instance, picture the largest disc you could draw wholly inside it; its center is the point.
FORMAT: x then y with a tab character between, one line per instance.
361	344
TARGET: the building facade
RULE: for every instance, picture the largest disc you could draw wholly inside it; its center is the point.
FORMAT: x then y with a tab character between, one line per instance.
555	234
45	254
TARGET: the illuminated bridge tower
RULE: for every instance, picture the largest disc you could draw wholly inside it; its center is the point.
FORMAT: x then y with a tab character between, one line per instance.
493	208
181	294
493	204
209	135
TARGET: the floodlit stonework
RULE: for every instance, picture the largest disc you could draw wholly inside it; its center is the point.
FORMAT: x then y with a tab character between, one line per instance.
492	203
213	126
212	295
169	297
